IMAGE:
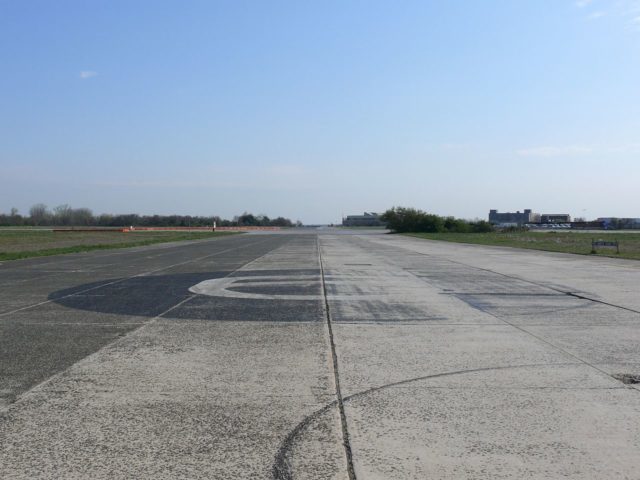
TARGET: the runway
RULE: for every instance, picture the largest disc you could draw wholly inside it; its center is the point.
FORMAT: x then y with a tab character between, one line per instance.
324	354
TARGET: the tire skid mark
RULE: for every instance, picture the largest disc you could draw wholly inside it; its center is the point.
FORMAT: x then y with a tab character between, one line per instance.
282	465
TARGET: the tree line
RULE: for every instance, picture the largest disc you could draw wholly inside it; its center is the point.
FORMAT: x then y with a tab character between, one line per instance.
64	215
402	219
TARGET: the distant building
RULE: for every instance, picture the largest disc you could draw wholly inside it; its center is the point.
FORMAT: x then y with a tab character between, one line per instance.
513	219
614	223
591	225
369	219
555	218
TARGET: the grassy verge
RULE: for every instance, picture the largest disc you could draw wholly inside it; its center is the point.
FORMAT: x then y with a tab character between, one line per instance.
565	242
39	243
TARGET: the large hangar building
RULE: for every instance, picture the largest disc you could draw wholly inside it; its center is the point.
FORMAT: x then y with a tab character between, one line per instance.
513	219
369	219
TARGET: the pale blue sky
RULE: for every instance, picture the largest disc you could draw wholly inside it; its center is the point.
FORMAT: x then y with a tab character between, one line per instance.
311	110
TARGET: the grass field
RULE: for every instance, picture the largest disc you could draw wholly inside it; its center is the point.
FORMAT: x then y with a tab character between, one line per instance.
15	244
566	242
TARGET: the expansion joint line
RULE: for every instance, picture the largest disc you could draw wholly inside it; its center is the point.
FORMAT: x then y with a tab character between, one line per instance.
528	332
538	284
336	374
137	330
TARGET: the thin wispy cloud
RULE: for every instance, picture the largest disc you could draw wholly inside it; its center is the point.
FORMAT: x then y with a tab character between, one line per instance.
454	146
626	11
630	10
596	15
86	74
625	149
579	150
554	151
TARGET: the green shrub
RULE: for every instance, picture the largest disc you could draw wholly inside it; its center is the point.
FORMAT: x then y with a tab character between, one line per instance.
412	220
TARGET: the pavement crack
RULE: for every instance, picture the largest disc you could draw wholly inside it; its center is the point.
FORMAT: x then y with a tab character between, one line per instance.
551	344
521	328
582	297
282	467
520	279
336	373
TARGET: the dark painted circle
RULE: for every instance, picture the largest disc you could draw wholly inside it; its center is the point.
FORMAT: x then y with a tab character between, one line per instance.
152	295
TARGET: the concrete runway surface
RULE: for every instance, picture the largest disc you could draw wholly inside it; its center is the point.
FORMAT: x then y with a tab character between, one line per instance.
319	355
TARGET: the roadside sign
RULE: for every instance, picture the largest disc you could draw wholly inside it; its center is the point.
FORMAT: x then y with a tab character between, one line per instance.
603	243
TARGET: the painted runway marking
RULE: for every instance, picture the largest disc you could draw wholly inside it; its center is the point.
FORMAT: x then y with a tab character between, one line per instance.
114	282
367	290
219	287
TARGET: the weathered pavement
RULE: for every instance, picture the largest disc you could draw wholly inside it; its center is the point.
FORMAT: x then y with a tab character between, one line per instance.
319	356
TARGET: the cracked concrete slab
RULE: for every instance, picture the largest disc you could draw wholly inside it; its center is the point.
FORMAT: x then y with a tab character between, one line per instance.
504	386
214	360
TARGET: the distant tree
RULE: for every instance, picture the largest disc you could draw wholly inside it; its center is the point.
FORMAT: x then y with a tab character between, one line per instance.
402	219
247	220
82	217
481	226
262	220
105	220
281	222
39	214
62	215
15	218
68	216
228	223
127	219
452	224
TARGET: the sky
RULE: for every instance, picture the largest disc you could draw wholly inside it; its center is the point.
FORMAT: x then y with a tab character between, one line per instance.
314	110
